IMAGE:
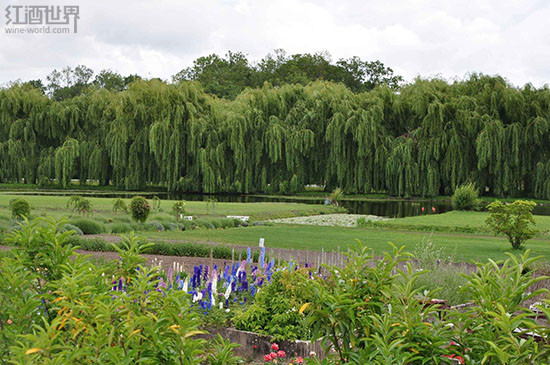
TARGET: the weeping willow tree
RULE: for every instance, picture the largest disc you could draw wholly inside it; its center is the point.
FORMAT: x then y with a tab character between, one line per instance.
424	140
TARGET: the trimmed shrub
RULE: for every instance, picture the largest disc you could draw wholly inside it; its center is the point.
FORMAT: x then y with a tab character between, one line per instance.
156	226
89	226
120	228
20	208
140	208
71	227
465	197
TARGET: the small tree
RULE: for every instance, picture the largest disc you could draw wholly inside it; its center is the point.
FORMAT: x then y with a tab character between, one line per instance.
156	203
80	205
20	208
335	197
514	220
178	208
120	205
211	202
140	208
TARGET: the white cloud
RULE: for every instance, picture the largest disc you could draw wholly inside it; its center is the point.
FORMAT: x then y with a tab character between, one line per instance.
414	37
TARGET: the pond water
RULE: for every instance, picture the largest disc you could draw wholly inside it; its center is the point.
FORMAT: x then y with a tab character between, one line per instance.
384	208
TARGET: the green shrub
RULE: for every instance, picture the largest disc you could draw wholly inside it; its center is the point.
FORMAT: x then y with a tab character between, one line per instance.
120	228
80	204
169	226
465	197
71	227
119	205
178	208
89	226
156	226
514	220
140	208
20	208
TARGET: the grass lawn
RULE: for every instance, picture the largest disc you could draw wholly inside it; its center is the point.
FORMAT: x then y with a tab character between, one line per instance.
454	219
462	247
57	206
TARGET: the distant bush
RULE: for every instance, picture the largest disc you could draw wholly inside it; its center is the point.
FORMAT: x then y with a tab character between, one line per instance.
465	197
120	228
80	204
156	226
140	208
71	227
514	220
89	226
119	205
166	248
20	208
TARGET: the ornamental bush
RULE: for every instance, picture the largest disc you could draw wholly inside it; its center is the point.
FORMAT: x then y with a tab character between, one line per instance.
140	208
20	208
514	220
465	197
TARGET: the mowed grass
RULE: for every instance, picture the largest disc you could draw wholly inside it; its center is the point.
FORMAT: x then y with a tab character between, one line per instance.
57	206
455	219
461	247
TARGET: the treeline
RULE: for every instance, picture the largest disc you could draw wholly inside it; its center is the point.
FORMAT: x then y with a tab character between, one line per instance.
227	76
422	140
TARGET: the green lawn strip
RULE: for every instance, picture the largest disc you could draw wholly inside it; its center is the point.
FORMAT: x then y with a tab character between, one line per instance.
455	221
257	211
463	247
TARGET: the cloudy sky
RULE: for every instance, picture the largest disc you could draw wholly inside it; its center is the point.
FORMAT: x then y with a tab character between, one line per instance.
157	38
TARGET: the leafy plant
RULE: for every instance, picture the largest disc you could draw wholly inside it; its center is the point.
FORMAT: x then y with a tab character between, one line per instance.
465	197
120	205
277	315
20	208
178	208
89	226
80	204
336	196
140	208
514	220
156	203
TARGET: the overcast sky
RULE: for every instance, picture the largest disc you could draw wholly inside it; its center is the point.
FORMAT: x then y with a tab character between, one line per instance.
157	38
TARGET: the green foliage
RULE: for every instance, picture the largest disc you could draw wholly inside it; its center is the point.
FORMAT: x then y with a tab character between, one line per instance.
71	227
140	208
282	135
119	205
156	203
465	197
178	208
59	307
20	208
336	196
515	221
381	314
80	204
89	226
166	248
276	315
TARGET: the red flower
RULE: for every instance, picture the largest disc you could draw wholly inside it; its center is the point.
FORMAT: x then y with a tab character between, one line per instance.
255	346
9	321
273	355
433	209
460	359
422	208
274	347
299	360
281	353
267	358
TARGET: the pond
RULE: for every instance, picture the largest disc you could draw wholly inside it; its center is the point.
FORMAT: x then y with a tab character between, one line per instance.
391	208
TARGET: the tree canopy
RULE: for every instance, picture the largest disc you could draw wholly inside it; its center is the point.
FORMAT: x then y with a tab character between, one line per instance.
419	139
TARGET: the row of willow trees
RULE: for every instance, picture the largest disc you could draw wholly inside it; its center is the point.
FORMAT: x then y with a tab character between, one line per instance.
421	141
